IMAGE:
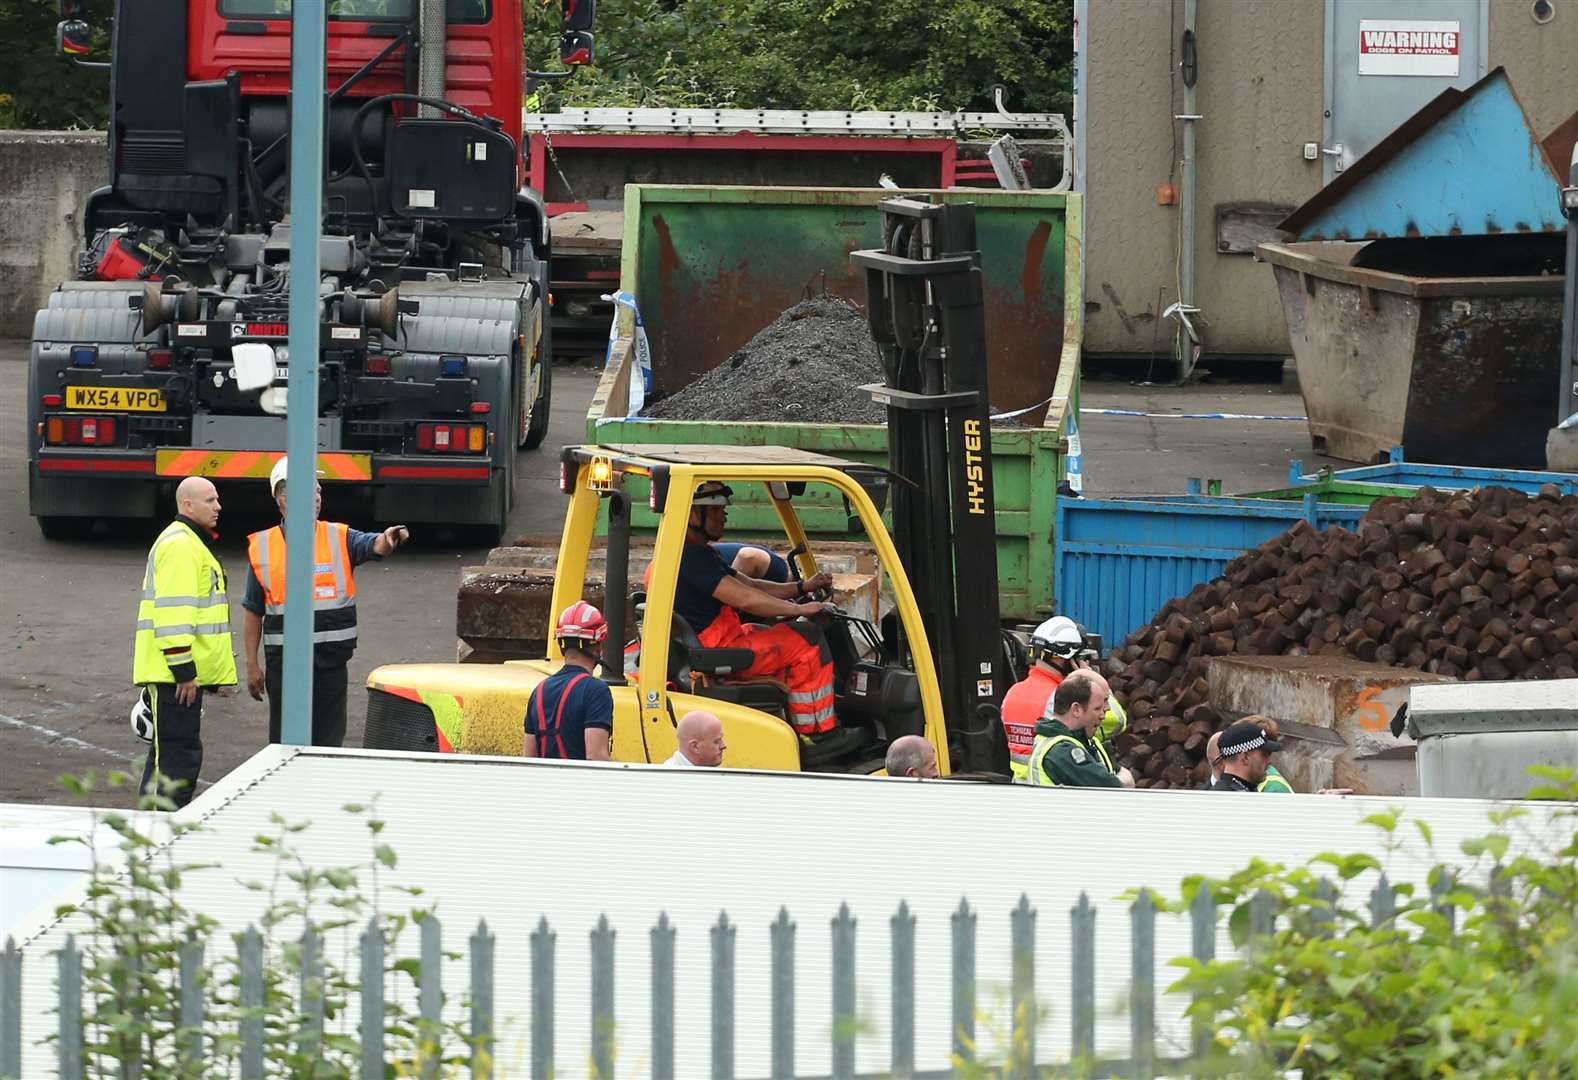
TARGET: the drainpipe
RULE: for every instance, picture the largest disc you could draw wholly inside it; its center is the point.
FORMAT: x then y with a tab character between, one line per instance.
1081	105
432	31
1567	400
1187	337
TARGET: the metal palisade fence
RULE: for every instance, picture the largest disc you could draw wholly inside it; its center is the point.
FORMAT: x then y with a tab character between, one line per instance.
193	1037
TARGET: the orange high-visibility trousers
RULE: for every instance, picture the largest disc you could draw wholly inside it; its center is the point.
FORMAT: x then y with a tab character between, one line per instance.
795	653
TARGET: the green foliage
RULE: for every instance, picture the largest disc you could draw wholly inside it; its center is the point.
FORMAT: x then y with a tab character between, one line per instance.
39	87
1465	980
821	54
138	927
756	54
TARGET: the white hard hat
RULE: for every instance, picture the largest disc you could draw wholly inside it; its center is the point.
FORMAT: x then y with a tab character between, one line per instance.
142	718
1059	636
276	476
712	493
1059	629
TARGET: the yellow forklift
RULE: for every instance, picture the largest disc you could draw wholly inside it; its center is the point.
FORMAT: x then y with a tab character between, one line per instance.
934	665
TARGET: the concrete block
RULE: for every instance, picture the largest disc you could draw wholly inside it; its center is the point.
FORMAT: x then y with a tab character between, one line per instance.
1348	704
45	180
503	612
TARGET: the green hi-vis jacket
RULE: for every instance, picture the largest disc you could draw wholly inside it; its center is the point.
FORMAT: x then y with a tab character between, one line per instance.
183	622
1275	783
1061	758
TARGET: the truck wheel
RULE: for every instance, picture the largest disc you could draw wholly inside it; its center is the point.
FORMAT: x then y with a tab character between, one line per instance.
56	527
534	408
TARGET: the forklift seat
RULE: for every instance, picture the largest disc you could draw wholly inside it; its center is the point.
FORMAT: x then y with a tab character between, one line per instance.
697	668
690	661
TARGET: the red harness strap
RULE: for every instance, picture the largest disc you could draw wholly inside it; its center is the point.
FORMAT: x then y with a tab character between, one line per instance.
543	731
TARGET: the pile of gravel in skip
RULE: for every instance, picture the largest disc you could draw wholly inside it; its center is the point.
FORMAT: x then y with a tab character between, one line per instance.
806	366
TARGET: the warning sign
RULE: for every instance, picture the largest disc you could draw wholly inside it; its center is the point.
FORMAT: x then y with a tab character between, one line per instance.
1408	47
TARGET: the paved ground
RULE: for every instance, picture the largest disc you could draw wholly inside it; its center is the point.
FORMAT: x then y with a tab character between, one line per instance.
66	608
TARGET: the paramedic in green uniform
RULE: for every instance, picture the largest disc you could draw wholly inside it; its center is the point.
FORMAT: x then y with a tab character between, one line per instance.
1064	754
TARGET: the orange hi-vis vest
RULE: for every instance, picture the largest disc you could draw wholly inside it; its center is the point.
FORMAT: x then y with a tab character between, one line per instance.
333	591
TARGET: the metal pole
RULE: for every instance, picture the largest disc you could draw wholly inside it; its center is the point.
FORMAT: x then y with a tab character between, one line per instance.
307	79
1186	209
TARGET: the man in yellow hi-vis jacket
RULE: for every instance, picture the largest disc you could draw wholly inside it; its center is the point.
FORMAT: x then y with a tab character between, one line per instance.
183	637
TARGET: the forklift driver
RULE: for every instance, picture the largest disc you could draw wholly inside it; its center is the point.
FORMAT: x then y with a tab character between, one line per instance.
711	596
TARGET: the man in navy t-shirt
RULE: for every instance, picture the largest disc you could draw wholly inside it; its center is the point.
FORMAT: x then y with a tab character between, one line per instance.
711	596
754	561
570	715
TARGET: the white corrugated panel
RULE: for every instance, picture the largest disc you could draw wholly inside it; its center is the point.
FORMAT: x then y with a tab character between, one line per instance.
45	850
512	841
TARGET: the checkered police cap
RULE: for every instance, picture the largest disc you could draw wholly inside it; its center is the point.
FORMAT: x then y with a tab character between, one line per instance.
1242	738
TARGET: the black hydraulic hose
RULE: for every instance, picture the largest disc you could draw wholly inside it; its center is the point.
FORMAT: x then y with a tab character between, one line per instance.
334	95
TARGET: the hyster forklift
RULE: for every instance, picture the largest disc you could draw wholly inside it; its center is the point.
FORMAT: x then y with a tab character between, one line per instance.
933	665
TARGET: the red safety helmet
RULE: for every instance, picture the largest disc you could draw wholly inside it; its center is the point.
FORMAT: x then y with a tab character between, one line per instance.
581	621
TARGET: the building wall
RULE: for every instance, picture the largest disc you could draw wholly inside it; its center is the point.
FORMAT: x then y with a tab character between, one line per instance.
45	179
1261	103
1541	60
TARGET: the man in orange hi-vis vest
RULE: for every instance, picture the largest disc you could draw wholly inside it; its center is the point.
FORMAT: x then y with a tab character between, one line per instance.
337	551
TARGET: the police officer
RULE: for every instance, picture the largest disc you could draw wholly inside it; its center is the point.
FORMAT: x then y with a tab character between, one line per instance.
1065	754
570	714
183	638
337	551
1055	651
1243	757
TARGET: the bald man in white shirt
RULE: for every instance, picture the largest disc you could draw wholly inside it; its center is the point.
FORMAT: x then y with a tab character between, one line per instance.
701	744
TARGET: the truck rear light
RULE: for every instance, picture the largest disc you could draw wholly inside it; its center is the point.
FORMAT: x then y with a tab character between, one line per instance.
80	431
481	408
161	360
376	365
451	438
52	401
84	355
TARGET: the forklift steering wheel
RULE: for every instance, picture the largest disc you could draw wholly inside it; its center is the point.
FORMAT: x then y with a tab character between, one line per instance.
817	595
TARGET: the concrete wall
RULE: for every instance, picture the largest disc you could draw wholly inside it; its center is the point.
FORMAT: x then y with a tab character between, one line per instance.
1260	105
45	178
1541	60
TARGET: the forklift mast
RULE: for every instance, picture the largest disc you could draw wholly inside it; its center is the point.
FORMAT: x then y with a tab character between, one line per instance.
924	302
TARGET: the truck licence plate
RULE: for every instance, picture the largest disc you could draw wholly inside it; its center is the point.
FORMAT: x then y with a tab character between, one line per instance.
121	398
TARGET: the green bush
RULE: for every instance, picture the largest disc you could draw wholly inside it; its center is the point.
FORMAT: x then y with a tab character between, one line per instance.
138	928
40	88
819	54
1463	980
